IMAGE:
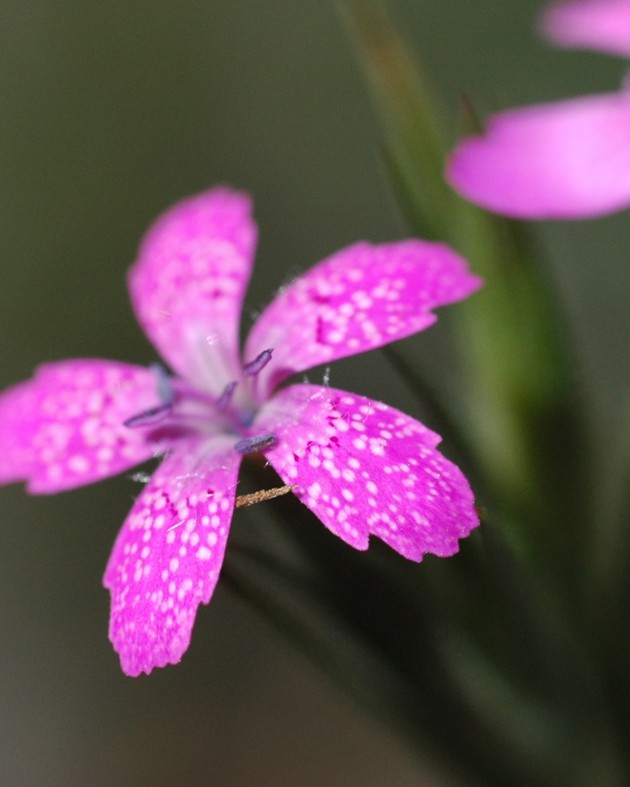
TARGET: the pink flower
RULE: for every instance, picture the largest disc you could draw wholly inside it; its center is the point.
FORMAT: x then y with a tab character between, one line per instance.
568	159
362	467
589	24
562	160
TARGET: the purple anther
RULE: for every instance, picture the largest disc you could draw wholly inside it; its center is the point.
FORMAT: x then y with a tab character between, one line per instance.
150	417
253	367
252	444
163	382
226	397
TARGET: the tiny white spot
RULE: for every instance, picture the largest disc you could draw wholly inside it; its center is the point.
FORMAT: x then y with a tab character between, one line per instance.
78	464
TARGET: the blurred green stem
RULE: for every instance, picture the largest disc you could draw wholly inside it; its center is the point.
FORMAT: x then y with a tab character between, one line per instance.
525	427
496	660
406	102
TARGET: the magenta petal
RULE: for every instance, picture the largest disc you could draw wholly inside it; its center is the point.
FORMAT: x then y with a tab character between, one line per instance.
188	283
65	427
366	469
569	159
360	298
590	24
168	555
17	408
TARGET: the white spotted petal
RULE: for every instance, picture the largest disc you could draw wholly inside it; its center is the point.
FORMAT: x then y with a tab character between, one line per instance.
65	427
364	469
188	283
358	299
168	555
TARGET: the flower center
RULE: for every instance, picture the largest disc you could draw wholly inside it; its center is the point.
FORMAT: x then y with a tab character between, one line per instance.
186	411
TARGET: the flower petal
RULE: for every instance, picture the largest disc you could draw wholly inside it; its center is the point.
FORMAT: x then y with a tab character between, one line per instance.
569	159
366	469
360	298
590	24
17	406
168	555
188	283
65	427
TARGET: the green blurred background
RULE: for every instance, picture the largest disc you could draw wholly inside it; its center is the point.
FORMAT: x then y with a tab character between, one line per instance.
110	112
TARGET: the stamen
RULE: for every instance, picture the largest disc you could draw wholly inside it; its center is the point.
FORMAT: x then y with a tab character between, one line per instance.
252	444
253	367
153	415
165	390
226	397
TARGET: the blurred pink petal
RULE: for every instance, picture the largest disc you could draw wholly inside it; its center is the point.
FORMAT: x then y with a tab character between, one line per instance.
17	405
590	24
564	160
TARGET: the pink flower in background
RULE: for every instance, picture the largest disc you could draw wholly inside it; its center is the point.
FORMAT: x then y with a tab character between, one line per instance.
362	467
562	160
590	24
568	159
